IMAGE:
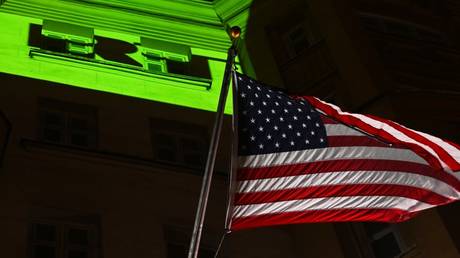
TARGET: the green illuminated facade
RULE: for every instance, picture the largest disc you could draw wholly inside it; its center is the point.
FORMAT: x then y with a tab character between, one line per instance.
166	51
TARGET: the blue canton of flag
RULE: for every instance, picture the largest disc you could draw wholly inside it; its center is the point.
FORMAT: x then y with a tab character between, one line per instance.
271	121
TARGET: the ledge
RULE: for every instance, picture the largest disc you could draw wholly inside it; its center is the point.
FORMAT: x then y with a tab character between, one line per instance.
94	155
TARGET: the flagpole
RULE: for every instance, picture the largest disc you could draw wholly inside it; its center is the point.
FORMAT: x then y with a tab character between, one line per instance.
207	177
234	160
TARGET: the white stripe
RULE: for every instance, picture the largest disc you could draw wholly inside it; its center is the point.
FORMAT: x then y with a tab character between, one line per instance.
450	149
332	203
389	129
341	130
349	178
331	153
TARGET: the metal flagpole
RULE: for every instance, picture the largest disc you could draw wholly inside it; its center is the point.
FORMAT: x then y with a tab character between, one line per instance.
207	177
234	161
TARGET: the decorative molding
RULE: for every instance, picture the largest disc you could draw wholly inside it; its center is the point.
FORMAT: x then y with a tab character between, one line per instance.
198	35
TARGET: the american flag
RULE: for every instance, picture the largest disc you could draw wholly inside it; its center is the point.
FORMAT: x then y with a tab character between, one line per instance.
303	160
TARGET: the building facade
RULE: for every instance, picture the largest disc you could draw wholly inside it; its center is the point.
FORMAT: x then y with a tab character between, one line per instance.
106	109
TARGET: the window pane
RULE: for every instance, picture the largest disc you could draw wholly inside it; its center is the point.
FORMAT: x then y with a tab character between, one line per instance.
52	135
386	247
77	236
44	252
79	139
45	232
78	123
191	144
54	119
165	140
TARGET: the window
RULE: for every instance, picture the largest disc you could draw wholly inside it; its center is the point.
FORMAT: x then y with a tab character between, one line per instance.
384	239
298	38
179	143
67	123
61	240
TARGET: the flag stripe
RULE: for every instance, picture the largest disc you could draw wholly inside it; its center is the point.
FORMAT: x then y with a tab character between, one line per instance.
332	153
309	216
376	127
349	177
332	203
341	190
449	154
343	141
341	165
338	129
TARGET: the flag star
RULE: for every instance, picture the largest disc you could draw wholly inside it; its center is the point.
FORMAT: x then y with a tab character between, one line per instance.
251	81
243	95
261	129
275	128
253	121
290	126
292	143
277	145
302	102
308	117
289	103
267	120
300	110
321	140
249	87
258	88
304	125
268	95
264	103
273	111
286	111
259	111
283	135
251	103
269	137
253	138
257	95
298	134
312	132
279	97
239	78
317	125
261	146
281	119
277	104
307	141
295	118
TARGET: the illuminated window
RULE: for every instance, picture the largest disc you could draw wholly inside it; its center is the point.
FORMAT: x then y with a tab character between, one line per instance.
67	123
61	240
179	143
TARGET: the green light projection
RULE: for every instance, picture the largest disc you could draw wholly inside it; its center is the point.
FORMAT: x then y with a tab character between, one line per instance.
204	34
16	58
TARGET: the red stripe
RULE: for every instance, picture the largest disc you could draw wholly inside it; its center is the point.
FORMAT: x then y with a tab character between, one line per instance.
344	141
377	132
345	165
443	154
327	120
339	215
341	190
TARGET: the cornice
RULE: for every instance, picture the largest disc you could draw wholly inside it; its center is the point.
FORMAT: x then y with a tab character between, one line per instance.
185	31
